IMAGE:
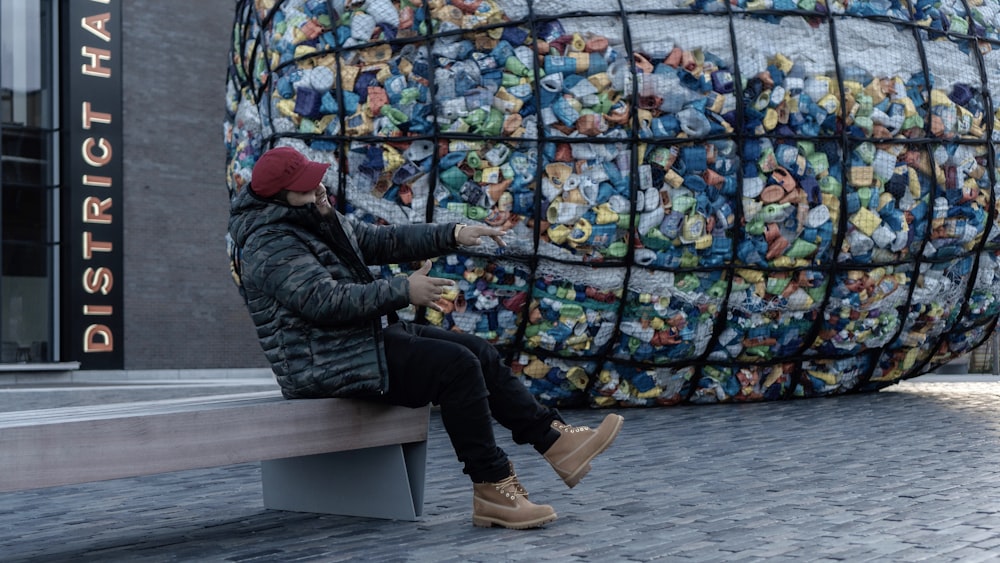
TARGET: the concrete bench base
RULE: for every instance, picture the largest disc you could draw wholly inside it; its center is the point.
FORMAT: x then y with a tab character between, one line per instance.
382	482
333	456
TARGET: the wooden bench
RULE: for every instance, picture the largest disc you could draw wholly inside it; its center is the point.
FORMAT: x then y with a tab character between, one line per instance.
333	456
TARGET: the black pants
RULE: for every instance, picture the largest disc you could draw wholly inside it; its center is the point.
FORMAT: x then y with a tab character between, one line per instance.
466	376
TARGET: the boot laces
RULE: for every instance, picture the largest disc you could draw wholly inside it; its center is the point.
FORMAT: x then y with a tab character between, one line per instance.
511	484
566	428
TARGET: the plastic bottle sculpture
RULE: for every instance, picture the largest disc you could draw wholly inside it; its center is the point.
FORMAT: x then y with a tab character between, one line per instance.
707	201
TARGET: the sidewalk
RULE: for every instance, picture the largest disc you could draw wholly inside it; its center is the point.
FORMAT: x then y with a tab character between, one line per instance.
910	473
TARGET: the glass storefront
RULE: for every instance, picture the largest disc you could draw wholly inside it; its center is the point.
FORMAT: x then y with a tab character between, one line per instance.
28	225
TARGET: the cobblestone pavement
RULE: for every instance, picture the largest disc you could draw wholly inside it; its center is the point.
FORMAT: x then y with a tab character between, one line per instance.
910	473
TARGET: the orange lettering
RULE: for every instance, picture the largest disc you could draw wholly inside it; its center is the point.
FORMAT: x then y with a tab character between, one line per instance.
94	210
88	151
90	246
96	56
97	25
100	279
98	338
97	181
90	117
98	310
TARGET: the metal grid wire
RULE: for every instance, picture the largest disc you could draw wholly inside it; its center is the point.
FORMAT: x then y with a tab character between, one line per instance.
707	201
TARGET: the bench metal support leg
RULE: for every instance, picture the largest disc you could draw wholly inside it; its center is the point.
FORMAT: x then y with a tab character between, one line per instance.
382	482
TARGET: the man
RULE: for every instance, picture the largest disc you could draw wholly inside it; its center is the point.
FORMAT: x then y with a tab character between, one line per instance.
329	328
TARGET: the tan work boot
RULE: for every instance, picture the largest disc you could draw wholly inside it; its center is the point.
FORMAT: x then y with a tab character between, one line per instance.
570	455
506	504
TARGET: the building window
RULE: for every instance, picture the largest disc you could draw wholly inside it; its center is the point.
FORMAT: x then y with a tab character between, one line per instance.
28	192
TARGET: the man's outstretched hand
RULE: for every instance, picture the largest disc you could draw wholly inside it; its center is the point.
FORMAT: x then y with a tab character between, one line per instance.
470	235
425	291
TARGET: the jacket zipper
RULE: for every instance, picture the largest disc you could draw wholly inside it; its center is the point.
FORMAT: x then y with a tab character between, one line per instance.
335	232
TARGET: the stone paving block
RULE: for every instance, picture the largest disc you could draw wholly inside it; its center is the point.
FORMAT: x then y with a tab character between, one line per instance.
911	473
972	554
991	542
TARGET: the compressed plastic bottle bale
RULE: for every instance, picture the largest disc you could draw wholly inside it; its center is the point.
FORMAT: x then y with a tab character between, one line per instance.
706	201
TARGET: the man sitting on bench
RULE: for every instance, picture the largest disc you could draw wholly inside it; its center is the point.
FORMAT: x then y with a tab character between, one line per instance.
329	329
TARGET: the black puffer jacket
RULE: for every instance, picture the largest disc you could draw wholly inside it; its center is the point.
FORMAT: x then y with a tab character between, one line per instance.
316	305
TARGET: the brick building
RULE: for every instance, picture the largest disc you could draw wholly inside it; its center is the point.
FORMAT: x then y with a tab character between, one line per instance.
114	204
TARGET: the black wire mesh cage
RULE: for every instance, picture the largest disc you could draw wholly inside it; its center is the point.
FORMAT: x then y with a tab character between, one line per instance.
706	201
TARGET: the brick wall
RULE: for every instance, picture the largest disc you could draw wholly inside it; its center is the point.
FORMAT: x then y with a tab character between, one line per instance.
181	309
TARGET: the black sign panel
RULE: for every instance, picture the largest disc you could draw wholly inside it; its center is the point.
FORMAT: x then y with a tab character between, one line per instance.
91	205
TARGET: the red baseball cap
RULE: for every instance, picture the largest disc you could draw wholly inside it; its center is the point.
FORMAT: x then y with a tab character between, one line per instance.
284	168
